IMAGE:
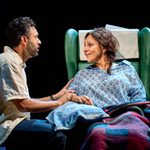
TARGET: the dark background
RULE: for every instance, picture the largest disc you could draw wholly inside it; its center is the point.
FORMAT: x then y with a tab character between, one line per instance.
47	72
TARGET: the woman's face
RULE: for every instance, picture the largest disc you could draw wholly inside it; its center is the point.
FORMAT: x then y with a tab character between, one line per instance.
92	50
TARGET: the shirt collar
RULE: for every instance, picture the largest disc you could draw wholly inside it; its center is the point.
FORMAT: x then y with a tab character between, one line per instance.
16	56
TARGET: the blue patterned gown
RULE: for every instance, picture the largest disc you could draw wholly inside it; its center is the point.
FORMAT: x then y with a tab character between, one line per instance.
122	85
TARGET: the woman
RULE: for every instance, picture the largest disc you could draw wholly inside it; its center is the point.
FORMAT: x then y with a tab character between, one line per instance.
104	82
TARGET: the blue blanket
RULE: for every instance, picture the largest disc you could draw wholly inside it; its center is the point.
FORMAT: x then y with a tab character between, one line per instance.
65	116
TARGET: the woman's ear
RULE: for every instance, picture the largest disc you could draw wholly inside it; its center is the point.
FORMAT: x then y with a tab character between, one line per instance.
103	49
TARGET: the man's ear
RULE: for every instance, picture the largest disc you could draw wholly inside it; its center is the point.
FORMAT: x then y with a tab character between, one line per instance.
24	39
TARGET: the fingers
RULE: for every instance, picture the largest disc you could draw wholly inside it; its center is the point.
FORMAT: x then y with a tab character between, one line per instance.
82	99
86	100
65	98
69	82
71	91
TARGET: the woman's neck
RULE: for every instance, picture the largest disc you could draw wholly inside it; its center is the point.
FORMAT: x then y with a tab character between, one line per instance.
103	64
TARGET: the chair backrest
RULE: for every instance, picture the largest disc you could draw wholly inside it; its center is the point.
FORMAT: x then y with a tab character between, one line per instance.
134	46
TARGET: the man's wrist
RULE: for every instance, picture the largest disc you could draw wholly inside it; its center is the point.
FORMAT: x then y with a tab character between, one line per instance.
51	97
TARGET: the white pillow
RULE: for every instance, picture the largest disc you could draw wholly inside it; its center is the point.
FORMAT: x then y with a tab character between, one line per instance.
65	116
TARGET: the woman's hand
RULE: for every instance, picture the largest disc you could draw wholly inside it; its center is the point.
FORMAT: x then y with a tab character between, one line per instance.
82	99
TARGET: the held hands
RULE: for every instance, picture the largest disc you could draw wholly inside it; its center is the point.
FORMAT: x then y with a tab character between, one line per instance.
65	95
65	98
69	96
73	97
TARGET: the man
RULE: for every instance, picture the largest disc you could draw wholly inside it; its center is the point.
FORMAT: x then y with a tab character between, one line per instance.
17	129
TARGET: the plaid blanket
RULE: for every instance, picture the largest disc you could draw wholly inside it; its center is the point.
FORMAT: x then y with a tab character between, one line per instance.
126	129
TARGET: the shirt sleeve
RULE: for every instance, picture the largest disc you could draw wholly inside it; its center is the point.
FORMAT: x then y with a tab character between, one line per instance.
13	82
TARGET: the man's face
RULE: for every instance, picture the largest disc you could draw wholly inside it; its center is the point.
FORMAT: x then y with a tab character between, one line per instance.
33	44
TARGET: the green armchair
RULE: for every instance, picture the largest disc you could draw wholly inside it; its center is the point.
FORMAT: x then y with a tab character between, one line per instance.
141	63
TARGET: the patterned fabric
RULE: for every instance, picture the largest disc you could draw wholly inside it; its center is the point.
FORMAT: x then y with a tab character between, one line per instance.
65	116
123	85
129	130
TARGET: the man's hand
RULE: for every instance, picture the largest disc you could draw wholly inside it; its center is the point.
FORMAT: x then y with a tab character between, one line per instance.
63	91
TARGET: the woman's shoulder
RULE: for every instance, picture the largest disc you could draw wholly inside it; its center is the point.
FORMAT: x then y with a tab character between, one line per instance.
125	62
126	65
